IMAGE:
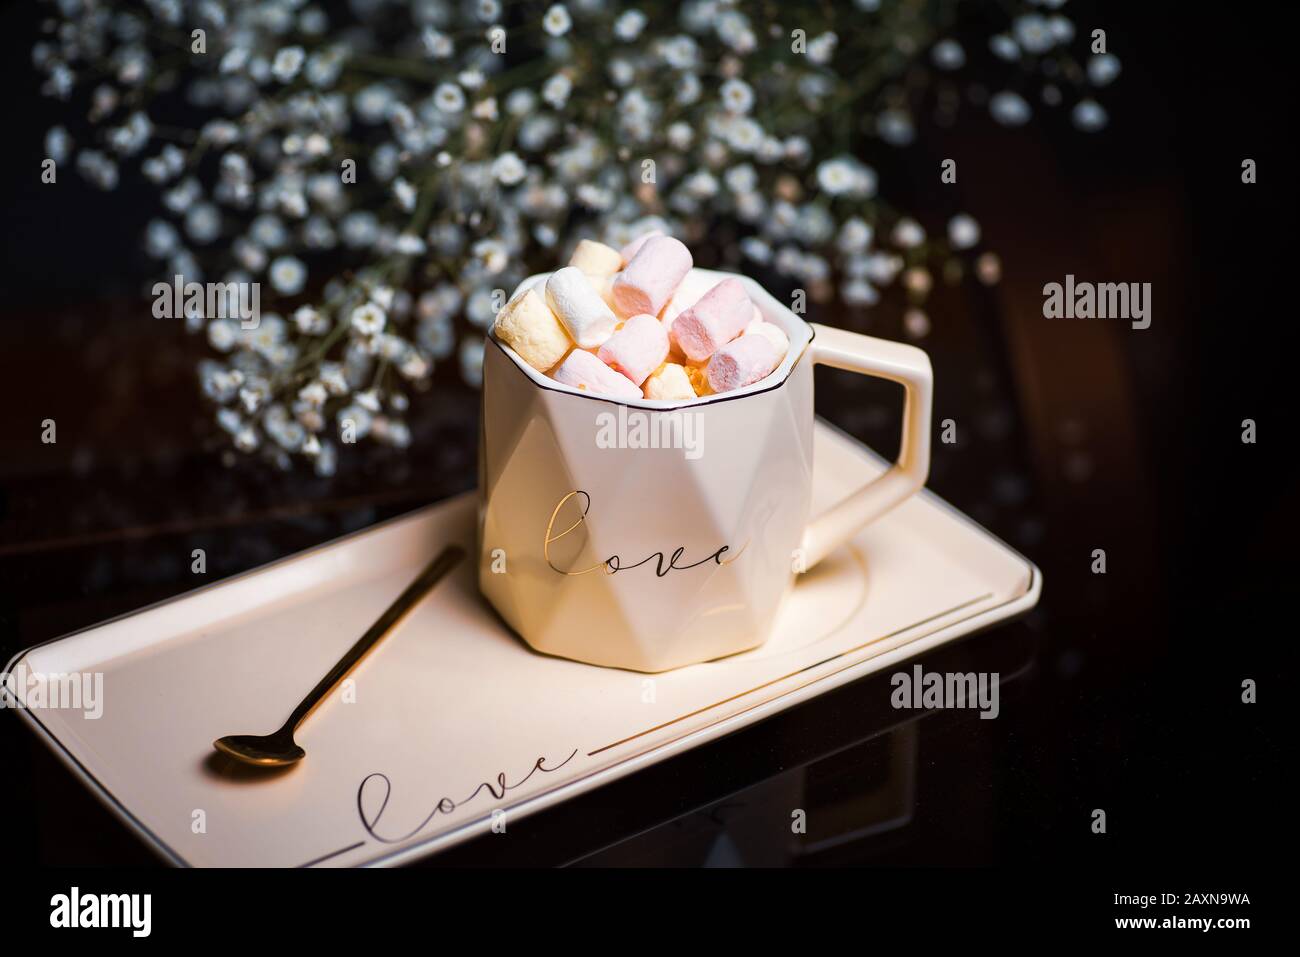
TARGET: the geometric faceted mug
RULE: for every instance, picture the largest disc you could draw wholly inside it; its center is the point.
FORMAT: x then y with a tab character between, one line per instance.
651	534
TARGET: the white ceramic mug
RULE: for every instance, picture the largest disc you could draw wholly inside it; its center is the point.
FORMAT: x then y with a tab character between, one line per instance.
649	534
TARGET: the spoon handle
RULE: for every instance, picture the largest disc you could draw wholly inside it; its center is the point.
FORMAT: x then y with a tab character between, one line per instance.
433	572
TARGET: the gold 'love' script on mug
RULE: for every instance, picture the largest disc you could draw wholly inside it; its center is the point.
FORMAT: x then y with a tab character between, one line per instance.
662	565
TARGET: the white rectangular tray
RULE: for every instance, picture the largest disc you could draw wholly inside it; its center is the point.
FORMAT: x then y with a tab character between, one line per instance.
454	718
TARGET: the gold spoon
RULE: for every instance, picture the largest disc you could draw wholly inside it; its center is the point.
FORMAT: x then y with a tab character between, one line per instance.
279	749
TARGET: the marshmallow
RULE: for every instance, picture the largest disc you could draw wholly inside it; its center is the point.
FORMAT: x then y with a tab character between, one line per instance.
632	248
671	310
578	305
637	348
741	362
721	315
772	332
698	380
669	381
596	259
583	371
605	286
528	327
651	276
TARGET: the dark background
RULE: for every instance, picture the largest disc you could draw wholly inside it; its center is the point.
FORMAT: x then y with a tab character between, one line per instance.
1072	436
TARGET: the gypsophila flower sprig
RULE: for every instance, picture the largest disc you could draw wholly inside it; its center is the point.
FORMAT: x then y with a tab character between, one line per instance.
386	172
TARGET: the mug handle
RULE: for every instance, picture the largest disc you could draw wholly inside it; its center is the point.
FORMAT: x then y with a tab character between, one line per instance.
899	363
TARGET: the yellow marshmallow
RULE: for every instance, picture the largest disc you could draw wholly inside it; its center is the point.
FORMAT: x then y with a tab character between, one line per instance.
698	380
529	327
596	259
669	381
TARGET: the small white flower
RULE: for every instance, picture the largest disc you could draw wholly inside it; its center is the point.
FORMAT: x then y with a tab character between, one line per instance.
845	176
437	45
409	244
741	179
1088	116
963	231
737	96
314	393
287	63
221	335
1033	33
521	102
556	91
1062	29
688	89
288	275
508	169
1102	69
1009	109
680	135
557	20
203	223
333	378
492	254
859	292
1003	47
383	297
822	48
368	320
679	52
855	236
948	55
404	193
449	98
629	25
413	365
745	135
161	239
908	234
881	268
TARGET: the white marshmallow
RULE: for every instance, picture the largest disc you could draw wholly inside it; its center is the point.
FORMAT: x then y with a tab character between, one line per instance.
580	307
771	332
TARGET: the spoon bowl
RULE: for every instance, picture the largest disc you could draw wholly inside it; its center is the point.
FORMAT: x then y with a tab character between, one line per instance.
265	750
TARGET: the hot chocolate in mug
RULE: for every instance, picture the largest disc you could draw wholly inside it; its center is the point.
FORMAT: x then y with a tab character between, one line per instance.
648	534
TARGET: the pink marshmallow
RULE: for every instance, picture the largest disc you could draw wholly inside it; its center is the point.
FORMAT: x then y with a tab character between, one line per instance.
721	314
741	362
651	276
585	372
632	248
637	348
